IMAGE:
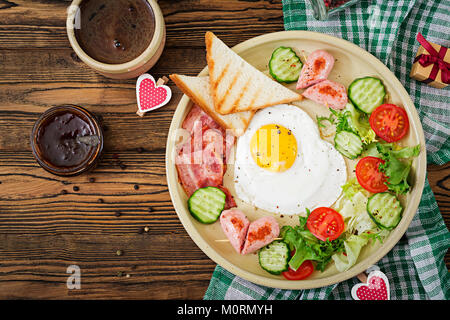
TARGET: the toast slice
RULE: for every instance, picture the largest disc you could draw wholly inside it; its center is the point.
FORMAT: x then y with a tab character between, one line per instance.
236	85
198	90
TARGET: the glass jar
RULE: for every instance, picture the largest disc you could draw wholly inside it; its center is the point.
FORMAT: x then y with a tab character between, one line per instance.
324	8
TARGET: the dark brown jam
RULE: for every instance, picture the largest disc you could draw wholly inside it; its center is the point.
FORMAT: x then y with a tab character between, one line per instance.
57	139
115	31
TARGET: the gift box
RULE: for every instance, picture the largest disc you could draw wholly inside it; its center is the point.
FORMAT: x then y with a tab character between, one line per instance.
432	64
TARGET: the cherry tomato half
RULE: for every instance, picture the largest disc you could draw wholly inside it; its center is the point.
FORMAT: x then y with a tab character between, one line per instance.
303	272
325	223
369	176
389	122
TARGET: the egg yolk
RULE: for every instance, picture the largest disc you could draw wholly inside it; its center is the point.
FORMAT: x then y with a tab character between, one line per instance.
273	147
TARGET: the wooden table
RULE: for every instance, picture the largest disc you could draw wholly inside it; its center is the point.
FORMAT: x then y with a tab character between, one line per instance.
45	225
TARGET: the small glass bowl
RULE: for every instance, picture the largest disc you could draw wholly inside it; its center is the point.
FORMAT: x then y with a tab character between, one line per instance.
92	157
322	12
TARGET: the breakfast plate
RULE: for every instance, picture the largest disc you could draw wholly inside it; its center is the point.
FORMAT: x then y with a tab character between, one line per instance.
351	62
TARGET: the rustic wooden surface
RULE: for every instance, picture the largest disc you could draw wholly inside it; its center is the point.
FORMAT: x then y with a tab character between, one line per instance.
43	230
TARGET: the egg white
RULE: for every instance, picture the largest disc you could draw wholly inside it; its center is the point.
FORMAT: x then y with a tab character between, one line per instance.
315	178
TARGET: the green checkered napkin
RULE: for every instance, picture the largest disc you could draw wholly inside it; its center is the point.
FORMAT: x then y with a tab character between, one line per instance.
387	28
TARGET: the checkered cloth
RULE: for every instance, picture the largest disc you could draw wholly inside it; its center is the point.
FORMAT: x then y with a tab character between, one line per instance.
387	28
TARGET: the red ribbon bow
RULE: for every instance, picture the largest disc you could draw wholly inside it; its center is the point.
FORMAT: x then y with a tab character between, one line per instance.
435	58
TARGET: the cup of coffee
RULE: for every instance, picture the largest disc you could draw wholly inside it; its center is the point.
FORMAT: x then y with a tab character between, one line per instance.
121	39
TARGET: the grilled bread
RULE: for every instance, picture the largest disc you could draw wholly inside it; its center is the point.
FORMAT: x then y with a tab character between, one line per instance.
198	90
236	85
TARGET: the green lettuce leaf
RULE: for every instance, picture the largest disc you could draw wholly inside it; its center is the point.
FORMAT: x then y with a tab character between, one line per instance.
346	259
352	187
371	150
343	121
350	119
354	212
308	247
395	169
360	124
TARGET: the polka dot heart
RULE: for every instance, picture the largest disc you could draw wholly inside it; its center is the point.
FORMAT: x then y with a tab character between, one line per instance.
376	288
151	96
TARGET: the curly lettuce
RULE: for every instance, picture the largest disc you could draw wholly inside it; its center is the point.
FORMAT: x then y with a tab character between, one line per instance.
397	163
354	121
351	120
395	167
359	123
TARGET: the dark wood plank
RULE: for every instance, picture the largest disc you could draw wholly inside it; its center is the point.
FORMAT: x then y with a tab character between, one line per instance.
31	263
33	201
116	105
45	226
63	66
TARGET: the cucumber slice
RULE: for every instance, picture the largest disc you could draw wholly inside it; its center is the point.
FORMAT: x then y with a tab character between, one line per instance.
274	257
348	143
206	204
367	93
285	65
385	210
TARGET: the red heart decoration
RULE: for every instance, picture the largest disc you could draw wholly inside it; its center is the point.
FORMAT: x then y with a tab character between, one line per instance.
376	288
149	95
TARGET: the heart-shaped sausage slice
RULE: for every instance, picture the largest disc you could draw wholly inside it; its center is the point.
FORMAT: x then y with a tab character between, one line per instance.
235	225
328	93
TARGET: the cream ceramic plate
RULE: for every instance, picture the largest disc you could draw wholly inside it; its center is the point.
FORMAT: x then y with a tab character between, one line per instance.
351	62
